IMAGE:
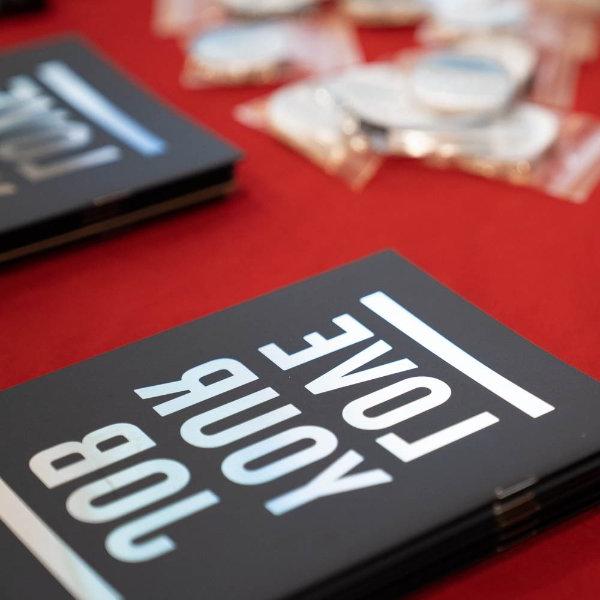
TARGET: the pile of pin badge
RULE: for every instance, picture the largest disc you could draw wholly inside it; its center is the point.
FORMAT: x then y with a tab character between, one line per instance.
463	101
460	102
448	104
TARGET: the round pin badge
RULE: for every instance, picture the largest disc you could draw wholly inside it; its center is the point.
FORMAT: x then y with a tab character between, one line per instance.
456	83
243	49
266	8
380	95
523	135
306	114
385	12
516	55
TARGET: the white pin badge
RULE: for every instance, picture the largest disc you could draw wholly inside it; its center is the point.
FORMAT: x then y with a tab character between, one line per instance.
462	84
243	49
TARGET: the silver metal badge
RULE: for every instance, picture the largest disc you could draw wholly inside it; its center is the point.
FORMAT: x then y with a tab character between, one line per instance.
382	95
242	49
306	112
521	136
517	56
462	84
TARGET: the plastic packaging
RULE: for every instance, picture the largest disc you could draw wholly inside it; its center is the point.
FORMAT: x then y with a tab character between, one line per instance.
305	117
533	146
564	42
521	142
561	40
268	51
183	17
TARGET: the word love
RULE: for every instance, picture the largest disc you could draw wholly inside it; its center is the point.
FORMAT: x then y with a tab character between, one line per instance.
40	139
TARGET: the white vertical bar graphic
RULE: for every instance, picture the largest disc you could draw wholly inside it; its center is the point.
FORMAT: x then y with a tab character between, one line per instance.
74	574
69	86
389	310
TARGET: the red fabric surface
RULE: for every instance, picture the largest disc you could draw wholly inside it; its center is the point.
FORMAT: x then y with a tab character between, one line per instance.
531	261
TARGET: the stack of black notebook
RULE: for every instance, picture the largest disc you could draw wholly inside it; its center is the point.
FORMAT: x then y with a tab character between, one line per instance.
84	150
351	436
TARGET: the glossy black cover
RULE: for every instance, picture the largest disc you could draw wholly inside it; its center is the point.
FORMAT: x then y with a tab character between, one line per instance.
127	149
238	548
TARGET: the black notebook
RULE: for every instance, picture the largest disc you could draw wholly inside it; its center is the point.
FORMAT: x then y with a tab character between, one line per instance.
350	436
83	149
11	7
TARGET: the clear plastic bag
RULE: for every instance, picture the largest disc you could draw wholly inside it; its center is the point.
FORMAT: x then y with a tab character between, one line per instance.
564	41
561	39
557	153
521	142
268	51
305	117
183	17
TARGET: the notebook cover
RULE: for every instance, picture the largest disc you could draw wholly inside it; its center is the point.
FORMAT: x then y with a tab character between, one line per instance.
79	140
302	437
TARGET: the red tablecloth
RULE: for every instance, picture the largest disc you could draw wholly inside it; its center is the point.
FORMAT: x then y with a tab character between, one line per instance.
531	261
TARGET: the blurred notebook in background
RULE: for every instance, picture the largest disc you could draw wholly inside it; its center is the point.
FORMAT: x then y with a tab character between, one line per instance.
84	150
11	7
